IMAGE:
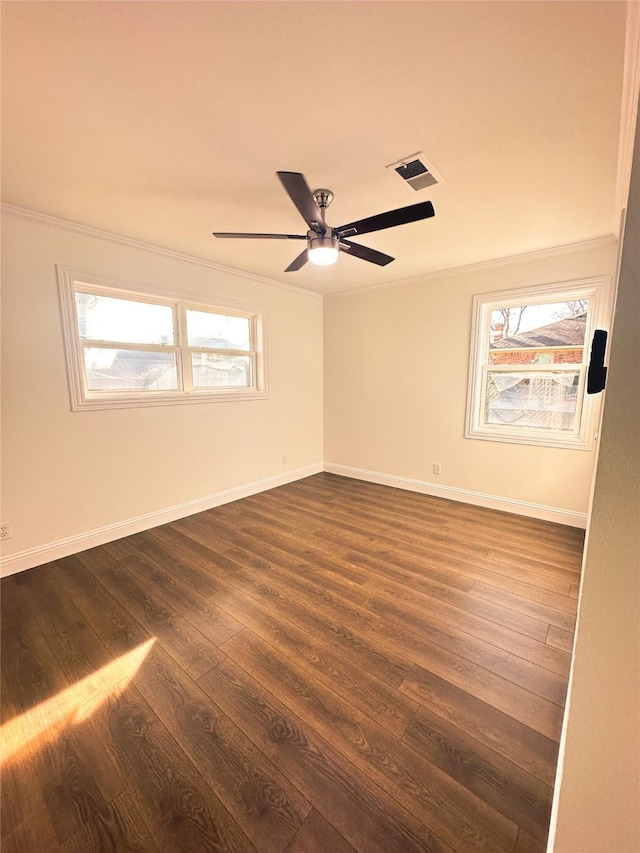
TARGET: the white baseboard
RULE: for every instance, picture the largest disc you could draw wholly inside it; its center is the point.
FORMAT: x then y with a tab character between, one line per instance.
546	513
72	544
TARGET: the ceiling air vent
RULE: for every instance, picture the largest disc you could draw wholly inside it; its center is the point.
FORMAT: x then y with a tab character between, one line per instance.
416	172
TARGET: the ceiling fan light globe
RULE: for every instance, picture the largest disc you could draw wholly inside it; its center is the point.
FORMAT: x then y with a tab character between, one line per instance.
323	251
323	256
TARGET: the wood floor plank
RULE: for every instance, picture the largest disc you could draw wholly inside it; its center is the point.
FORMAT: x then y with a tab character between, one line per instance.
455	631
399	631
514	793
560	639
26	823
362	812
73	786
537	713
381	645
251	790
387	706
360	491
564	619
350	542
458	818
181	557
55	765
528	844
27	677
461	617
478	568
451	544
188	646
410	580
119	630
505	547
180	809
521	671
197	609
518	743
368	653
118	828
261	800
316	835
77	649
13	607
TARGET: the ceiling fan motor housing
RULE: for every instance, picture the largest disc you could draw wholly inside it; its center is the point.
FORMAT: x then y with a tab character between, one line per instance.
323	198
323	249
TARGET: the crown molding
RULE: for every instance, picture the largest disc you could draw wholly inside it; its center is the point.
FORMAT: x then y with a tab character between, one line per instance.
90	231
629	110
538	254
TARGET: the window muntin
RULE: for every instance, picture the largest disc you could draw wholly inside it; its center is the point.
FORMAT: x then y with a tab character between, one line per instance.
528	364
129	347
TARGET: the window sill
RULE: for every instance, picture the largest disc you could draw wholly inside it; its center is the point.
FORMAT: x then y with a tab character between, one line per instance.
159	399
574	442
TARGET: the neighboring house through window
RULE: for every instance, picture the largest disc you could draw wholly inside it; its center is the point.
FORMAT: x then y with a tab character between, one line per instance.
530	350
132	344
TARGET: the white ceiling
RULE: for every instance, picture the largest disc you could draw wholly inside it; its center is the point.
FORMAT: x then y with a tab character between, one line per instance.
166	121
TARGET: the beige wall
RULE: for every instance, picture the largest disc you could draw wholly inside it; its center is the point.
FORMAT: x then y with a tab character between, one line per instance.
597	806
67	473
396	366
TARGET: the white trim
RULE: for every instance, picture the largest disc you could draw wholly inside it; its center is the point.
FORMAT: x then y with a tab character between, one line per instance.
80	542
71	279
536	255
90	231
512	505
629	110
598	291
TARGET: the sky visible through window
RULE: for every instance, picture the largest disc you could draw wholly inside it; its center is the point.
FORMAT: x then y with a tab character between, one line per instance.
535	316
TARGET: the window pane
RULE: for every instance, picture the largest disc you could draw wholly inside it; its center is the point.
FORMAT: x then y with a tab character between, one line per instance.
103	318
221	371
130	370
538	401
539	334
218	331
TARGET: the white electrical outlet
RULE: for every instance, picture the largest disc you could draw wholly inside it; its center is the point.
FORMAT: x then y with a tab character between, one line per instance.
5	530
437	468
284	458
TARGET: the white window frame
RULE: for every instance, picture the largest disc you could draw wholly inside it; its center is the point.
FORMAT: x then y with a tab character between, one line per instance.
71	280
598	292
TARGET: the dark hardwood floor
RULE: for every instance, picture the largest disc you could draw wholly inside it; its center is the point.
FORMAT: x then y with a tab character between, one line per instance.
327	667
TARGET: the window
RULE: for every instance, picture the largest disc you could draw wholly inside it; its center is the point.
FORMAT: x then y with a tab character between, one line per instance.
135	345
529	355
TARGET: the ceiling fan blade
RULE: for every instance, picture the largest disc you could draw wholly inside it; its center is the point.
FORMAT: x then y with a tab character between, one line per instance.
298	262
388	220
260	236
364	252
300	194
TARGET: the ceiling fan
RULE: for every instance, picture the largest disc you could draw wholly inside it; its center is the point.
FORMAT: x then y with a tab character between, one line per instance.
324	243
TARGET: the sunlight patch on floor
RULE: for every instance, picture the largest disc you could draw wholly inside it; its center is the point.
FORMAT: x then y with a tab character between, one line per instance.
42	723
